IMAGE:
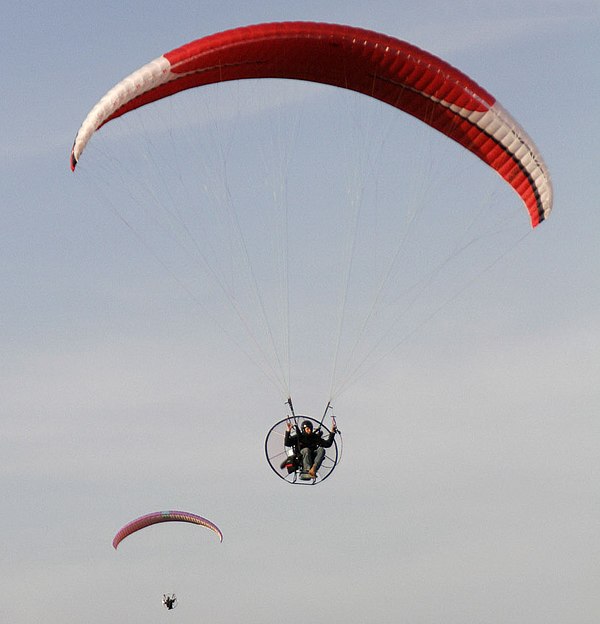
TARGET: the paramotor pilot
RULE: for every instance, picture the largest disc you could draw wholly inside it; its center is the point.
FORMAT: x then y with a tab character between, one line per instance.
310	445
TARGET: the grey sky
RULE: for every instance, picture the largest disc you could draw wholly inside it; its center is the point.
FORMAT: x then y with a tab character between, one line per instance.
468	486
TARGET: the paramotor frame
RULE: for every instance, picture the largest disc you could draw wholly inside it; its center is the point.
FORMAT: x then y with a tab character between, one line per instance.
170	601
278	454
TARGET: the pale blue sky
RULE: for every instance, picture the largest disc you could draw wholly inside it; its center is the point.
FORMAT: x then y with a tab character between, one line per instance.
468	487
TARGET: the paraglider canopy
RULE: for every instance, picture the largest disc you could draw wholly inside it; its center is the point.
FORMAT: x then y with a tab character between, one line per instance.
371	63
163	516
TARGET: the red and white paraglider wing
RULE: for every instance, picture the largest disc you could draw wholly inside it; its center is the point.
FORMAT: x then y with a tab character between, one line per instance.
370	63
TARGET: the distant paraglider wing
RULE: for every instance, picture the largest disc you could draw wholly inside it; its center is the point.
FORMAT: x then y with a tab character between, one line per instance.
163	516
376	65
